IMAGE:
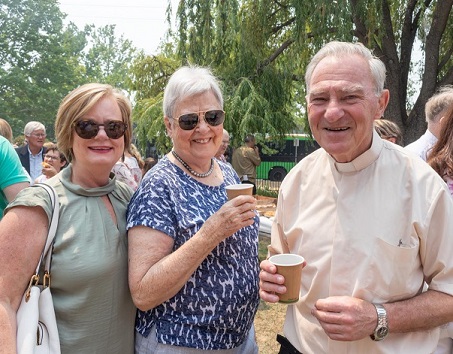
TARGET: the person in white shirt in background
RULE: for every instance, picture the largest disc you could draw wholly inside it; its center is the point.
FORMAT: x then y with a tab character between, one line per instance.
53	162
435	110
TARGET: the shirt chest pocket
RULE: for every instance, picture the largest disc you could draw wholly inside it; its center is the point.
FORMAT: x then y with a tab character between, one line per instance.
394	270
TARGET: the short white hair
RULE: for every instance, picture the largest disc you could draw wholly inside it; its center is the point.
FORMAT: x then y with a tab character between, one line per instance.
30	127
341	49
189	81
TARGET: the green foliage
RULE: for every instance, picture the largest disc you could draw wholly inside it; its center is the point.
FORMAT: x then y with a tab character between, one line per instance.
259	49
41	60
265	192
108	58
38	61
258	97
148	77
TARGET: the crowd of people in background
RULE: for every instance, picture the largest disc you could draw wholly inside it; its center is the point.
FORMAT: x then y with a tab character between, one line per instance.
167	264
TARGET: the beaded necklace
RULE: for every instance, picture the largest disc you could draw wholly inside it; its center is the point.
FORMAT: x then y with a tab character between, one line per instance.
188	168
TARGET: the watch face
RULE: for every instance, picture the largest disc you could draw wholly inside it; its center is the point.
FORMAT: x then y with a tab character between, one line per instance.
382	332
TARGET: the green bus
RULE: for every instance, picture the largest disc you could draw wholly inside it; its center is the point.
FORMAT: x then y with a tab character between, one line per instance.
285	155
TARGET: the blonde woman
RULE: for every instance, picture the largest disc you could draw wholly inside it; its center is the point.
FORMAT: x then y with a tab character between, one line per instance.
93	305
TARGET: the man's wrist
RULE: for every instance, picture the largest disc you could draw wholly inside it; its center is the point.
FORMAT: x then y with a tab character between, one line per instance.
382	329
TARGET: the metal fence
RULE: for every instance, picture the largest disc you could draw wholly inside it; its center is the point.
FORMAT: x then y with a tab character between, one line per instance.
268	185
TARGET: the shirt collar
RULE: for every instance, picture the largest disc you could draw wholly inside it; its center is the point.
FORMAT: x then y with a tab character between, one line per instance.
65	178
31	154
362	161
430	137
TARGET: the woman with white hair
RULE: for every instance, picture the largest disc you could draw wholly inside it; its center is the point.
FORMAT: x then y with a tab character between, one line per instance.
193	269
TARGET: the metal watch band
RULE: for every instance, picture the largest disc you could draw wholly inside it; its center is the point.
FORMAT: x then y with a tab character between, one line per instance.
381	330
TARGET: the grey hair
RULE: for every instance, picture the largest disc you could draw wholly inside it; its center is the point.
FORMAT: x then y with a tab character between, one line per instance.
438	103
340	49
30	127
188	81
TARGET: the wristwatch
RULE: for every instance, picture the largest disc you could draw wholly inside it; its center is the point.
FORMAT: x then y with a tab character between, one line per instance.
382	328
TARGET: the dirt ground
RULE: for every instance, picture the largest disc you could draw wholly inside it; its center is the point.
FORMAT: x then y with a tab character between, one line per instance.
268	323
270	317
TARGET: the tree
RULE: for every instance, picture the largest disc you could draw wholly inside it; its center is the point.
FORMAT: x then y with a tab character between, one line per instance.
41	60
108	57
393	39
214	42
148	78
38	61
260	49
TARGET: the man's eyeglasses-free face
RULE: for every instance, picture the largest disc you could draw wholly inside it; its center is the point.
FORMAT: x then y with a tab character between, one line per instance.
88	129
190	120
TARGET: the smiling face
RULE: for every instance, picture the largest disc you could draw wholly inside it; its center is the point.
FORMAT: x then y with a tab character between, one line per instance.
100	152
199	145
342	105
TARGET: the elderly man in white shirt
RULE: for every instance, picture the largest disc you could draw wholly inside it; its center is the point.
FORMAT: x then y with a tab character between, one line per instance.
372	221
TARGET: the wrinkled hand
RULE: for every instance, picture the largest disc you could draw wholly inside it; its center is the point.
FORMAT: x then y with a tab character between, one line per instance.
345	318
231	217
271	283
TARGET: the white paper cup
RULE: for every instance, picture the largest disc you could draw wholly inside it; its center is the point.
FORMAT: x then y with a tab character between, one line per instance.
290	266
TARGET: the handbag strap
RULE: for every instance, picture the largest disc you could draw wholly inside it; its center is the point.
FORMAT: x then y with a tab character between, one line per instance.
52	226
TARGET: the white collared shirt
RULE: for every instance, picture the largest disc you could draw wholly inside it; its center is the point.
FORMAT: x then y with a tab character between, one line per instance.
373	228
423	145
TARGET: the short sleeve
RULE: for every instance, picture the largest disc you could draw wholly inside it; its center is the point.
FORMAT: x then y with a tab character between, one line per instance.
152	204
10	166
31	197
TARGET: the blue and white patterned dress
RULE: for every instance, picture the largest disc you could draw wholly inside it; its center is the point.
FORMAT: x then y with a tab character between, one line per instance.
216	307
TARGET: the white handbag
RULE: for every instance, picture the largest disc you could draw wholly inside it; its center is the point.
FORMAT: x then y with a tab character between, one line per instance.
36	323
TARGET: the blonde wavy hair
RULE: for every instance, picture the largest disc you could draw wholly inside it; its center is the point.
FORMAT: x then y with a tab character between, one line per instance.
77	103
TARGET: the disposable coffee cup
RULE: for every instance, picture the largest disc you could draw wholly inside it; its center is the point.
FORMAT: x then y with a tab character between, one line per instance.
290	266
234	190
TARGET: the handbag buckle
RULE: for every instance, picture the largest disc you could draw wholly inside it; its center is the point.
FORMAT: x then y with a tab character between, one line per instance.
33	282
46	280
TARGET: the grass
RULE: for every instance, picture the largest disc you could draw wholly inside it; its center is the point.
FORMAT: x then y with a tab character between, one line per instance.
267	192
270	317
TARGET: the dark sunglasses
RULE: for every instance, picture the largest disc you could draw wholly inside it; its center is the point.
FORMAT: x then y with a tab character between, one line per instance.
190	120
88	129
